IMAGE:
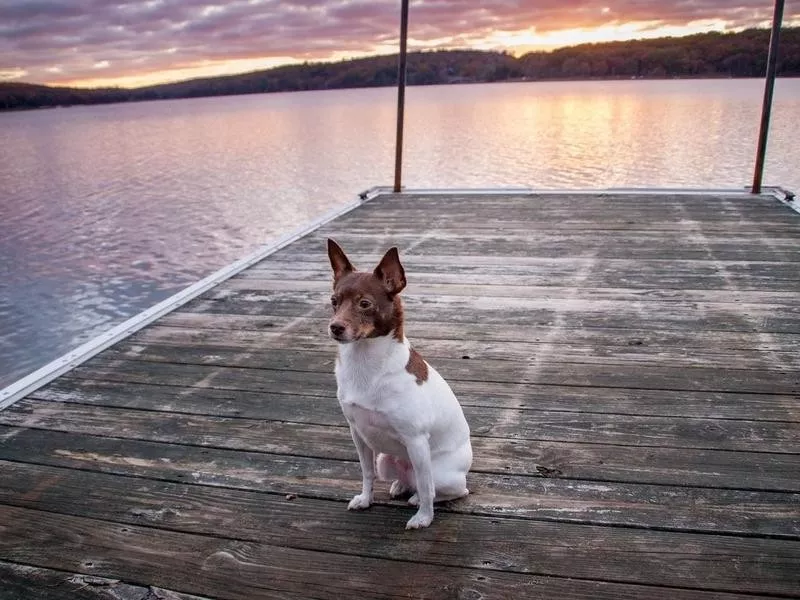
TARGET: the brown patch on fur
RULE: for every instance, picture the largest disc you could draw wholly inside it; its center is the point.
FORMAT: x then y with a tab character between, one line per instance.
383	318
417	366
399	335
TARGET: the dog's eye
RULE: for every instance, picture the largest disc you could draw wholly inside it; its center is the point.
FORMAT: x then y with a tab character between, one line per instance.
365	304
334	302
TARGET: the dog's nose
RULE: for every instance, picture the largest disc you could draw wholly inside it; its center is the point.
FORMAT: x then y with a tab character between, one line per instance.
337	329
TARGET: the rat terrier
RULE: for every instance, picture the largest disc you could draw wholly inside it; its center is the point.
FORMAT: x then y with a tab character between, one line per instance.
405	420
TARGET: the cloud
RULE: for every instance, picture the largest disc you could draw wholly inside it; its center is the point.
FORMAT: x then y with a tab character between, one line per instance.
58	41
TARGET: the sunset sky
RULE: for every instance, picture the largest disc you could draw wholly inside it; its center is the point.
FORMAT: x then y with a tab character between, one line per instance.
138	42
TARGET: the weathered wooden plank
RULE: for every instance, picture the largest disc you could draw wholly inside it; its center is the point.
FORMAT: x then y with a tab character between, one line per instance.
584	461
549	498
651	277
483	287
313	406
235	569
648	245
319	384
554	208
222	568
439	212
178	506
568	271
454	218
708	279
596	272
502	544
500	217
605	201
462	311
35	583
490	337
401	226
693	231
256	380
292	438
309	335
452	214
504	243
462	214
537	370
521	265
575	299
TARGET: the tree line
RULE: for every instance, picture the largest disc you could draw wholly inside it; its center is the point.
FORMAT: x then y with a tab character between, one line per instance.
742	54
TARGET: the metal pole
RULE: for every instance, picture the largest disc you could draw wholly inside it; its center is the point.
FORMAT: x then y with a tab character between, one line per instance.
766	109
401	96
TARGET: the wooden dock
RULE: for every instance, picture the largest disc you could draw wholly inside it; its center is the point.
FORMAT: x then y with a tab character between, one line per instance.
629	366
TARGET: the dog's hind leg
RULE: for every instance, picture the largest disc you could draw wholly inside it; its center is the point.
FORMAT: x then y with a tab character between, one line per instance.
399	472
450	485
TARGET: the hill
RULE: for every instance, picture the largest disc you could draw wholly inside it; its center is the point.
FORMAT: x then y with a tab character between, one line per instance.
742	54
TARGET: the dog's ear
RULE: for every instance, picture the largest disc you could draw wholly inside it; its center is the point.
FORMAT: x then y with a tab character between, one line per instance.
391	272
339	261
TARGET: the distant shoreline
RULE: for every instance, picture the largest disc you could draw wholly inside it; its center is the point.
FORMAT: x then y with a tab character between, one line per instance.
702	56
449	83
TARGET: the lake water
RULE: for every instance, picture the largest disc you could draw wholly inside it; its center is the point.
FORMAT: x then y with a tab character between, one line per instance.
106	210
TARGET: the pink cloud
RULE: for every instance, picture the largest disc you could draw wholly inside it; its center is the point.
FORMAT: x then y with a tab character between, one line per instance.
37	35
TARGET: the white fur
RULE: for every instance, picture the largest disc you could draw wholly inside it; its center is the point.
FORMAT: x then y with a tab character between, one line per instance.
395	421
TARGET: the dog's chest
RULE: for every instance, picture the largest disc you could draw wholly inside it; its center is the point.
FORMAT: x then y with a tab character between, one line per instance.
374	391
375	427
371	406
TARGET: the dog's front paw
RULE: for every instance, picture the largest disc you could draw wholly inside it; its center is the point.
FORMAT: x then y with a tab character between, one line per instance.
414	500
419	520
359	502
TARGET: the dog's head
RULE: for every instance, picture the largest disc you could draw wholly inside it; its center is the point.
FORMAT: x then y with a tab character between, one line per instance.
365	305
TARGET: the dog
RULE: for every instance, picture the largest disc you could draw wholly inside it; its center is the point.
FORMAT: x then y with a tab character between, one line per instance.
406	423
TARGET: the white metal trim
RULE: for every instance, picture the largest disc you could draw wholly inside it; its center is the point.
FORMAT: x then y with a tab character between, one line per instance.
462	191
30	383
784	196
571	191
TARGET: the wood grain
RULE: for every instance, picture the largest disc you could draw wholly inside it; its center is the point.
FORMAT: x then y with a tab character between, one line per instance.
313	404
229	566
163	498
738	351
188	361
35	583
493	425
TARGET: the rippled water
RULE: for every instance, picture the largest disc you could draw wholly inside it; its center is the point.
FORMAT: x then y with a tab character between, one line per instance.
106	210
